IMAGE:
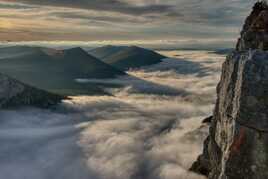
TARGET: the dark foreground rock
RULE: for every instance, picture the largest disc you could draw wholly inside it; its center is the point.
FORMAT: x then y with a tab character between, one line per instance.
237	145
14	93
255	30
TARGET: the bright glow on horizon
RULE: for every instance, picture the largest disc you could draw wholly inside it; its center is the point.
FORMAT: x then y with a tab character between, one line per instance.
5	24
179	43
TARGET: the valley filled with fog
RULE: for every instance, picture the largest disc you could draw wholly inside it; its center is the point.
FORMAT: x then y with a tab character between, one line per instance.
150	128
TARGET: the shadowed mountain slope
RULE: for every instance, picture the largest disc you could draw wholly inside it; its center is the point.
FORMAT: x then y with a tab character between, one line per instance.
14	93
126	57
55	70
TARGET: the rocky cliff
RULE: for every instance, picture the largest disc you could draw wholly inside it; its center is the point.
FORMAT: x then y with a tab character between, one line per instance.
237	145
255	30
14	93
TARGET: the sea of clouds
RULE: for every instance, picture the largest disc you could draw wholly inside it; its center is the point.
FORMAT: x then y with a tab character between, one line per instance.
148	129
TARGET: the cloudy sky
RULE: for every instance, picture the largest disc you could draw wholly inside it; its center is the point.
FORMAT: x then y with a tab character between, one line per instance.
178	21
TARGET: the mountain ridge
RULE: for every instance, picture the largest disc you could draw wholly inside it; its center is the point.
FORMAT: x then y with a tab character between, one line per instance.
127	57
56	70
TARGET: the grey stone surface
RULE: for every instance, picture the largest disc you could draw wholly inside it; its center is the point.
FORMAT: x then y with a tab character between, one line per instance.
237	145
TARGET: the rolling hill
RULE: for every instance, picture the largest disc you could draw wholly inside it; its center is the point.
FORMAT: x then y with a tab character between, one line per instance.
55	70
126	57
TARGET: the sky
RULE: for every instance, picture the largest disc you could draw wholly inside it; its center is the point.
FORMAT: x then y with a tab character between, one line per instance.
189	22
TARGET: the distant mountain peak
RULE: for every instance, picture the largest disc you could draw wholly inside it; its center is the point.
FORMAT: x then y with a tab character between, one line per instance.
75	50
126	57
55	70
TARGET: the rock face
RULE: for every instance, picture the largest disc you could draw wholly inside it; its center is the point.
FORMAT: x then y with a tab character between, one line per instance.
237	145
255	31
13	93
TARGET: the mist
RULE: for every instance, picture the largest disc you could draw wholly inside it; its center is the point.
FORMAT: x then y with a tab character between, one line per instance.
145	130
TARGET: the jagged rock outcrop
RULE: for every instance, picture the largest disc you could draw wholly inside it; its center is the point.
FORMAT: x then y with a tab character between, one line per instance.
255	30
237	145
14	93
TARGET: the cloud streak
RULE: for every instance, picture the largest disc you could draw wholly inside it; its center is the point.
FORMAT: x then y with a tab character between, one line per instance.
127	19
188	10
104	5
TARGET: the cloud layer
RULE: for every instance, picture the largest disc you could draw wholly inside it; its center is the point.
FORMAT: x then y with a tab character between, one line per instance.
126	19
134	134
